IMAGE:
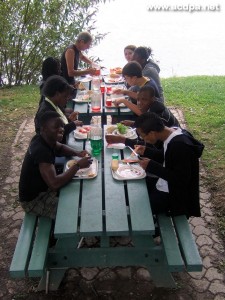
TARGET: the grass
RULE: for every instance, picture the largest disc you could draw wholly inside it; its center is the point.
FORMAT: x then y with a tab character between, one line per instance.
201	99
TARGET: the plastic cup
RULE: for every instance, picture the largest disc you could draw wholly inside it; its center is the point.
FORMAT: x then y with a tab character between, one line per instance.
102	88
109	89
96	100
108	102
96	140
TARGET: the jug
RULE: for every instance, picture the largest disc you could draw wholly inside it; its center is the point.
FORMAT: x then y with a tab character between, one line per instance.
96	101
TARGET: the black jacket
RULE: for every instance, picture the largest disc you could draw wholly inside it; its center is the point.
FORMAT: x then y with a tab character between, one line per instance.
181	171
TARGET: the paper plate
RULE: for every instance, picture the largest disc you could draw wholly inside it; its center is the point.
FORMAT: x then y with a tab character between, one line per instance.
130	172
79	172
78	134
130	134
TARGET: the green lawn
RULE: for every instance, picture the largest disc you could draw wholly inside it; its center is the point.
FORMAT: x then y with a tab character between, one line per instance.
202	100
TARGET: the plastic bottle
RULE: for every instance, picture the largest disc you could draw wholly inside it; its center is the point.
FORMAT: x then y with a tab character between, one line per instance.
115	162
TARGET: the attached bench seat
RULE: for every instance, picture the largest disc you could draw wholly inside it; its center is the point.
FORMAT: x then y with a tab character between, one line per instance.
31	249
179	244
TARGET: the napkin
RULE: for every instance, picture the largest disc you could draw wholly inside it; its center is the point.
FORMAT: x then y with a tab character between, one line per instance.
116	146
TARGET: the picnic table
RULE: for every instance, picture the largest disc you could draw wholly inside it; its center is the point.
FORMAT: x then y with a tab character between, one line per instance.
86	113
104	207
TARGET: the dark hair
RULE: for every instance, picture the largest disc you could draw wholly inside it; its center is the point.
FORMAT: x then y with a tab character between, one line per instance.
50	66
149	122
56	84
84	36
132	68
47	116
143	52
130	47
148	89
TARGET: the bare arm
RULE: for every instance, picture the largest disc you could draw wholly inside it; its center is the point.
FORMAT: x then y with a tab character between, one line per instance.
129	104
70	55
55	181
129	93
64	150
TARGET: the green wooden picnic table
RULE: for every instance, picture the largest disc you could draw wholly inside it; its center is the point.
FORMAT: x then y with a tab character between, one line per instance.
104	207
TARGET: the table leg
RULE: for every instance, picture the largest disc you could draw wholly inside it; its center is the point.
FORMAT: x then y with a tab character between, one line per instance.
55	278
161	276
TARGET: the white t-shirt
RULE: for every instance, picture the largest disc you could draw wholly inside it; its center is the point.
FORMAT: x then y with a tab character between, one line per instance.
162	185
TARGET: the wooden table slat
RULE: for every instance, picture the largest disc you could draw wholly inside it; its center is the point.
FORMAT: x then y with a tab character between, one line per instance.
68	210
91	209
140	210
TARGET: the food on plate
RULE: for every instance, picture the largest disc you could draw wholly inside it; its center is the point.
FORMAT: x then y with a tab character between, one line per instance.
114	75
91	174
110	129
82	132
129	160
81	86
121	128
71	163
90	92
116	70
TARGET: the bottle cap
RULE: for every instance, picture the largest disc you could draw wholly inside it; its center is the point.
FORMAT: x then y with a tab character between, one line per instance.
115	156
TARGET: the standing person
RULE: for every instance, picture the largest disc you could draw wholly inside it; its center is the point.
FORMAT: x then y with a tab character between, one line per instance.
176	164
149	68
39	183
73	54
128	52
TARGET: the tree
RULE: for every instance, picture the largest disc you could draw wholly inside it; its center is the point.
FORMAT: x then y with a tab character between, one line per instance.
31	30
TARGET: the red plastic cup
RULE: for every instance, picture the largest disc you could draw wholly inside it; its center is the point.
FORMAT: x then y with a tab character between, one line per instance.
102	88
109	89
108	102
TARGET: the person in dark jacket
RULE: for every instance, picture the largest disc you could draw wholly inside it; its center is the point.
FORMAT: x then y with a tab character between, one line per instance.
150	68
176	164
50	66
57	92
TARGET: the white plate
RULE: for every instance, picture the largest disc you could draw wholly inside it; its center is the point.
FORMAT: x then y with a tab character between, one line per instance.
113	106
129	172
108	79
116	146
85	79
81	171
79	135
130	134
87	173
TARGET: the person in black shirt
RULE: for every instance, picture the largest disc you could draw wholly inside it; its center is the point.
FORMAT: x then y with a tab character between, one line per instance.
71	57
39	183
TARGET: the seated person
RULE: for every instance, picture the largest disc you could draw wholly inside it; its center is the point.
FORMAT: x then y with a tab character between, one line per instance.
39	183
149	68
128	52
50	66
176	164
146	102
57	92
132	72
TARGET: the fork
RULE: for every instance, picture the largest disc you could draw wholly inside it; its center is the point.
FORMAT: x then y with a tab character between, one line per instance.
135	153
